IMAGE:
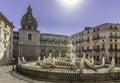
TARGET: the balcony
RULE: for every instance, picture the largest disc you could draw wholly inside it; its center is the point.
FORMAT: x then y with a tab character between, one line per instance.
114	49
96	38
96	50
114	37
4	41
87	40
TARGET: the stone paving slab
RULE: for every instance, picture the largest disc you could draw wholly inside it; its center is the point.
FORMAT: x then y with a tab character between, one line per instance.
5	76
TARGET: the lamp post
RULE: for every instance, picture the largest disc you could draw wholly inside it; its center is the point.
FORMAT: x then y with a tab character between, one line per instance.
13	64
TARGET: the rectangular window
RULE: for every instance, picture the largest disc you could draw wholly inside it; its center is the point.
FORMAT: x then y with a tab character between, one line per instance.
5	25
115	40
82	48
0	21
29	36
115	47
110	40
88	32
5	36
87	47
98	29
103	47
111	46
10	39
98	47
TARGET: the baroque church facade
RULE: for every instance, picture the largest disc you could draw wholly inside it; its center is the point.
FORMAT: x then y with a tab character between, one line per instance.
31	43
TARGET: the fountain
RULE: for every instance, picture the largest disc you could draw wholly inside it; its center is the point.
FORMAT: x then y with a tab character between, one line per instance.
70	63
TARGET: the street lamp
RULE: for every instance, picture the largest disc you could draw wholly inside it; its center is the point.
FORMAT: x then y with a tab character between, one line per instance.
13	64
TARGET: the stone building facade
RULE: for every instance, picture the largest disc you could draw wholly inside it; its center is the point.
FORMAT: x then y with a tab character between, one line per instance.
6	38
53	43
102	40
31	43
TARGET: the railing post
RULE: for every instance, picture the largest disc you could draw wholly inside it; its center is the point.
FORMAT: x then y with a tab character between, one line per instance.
105	75
118	74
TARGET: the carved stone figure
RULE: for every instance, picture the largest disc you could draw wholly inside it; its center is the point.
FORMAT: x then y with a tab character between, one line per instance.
23	60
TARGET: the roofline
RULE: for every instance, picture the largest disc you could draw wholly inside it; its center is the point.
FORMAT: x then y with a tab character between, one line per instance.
10	23
96	27
55	34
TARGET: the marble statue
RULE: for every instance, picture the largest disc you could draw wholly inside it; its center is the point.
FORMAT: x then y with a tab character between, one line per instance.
112	67
60	55
49	60
92	60
53	60
38	59
44	59
23	60
19	61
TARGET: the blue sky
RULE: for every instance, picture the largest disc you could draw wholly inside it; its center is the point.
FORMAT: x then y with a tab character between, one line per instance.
53	18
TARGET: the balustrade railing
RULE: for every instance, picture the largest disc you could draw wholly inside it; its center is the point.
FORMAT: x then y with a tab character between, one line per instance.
68	75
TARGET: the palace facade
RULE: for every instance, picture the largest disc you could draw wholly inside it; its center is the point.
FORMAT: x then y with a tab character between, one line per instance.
6	38
102	40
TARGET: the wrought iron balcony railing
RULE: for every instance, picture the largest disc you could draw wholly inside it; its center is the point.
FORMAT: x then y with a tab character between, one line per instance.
115	37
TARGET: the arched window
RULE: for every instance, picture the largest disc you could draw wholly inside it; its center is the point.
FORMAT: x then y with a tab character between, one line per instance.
29	36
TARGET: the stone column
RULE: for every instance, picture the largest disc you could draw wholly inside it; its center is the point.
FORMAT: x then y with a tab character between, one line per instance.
19	51
36	52
81	65
54	61
103	60
44	59
46	51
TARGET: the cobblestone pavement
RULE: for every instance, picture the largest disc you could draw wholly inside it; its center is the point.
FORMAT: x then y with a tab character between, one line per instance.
6	77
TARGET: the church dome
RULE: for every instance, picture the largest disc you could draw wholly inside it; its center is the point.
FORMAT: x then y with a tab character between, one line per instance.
28	21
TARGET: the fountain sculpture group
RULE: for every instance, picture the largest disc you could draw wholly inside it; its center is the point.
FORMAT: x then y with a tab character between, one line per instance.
47	67
70	62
